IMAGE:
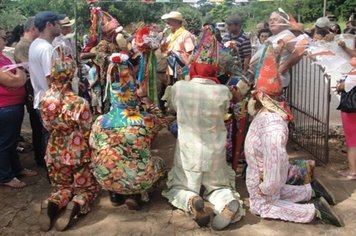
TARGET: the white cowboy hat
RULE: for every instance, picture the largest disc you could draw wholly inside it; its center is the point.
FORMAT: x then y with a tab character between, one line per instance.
67	22
173	15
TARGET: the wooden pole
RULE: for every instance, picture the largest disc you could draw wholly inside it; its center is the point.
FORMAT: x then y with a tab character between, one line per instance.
76	32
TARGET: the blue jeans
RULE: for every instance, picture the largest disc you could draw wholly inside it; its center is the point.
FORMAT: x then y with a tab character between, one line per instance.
11	118
42	136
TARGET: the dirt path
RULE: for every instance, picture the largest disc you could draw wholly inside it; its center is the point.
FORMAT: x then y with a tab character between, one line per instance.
19	209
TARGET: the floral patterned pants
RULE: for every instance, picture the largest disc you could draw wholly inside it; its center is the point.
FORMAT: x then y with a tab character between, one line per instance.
72	183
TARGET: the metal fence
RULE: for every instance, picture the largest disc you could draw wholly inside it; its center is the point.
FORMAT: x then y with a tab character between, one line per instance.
309	96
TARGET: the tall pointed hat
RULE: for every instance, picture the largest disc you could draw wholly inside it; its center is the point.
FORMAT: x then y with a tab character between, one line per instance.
268	80
205	62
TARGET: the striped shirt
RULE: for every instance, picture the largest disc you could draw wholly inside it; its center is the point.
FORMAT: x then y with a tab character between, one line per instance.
243	43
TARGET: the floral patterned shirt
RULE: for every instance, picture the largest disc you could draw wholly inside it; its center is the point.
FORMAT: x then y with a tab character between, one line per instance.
68	119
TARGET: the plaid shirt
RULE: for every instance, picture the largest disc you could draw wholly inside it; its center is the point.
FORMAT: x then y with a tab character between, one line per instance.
201	105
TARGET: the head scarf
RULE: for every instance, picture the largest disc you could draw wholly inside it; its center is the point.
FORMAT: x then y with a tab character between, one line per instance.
60	78
205	63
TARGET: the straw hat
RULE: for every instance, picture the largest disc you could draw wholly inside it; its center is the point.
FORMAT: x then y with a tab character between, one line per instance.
66	22
173	15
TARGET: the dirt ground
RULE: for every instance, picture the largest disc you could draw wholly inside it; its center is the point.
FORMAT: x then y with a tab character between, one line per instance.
19	209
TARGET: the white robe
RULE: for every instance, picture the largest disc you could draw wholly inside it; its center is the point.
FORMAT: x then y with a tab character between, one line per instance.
267	171
200	152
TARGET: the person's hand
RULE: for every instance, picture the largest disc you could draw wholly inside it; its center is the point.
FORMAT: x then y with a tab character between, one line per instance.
329	37
342	44
340	86
147	101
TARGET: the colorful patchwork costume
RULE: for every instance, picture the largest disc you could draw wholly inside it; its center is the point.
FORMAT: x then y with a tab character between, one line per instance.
121	139
67	118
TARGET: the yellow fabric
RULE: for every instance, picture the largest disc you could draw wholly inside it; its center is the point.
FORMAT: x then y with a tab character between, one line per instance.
174	36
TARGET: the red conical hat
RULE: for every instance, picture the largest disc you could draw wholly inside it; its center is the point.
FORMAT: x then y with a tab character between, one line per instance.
268	80
205	62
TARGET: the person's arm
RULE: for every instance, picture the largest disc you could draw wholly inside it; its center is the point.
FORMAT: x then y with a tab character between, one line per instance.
293	59
349	51
13	80
246	64
87	55
20	54
84	119
274	142
246	52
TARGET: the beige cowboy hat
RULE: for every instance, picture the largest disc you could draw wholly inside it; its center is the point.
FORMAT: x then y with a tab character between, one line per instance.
173	15
67	22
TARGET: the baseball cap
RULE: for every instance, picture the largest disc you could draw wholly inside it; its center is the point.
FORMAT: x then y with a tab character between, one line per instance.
232	20
322	22
43	17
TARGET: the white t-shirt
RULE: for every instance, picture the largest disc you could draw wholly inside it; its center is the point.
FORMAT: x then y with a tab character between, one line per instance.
285	53
40	60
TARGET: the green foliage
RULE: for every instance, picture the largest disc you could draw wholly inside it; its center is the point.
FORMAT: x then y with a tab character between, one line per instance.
126	11
192	16
219	12
10	17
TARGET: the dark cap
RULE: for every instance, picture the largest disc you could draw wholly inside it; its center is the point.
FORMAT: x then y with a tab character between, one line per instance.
233	20
43	17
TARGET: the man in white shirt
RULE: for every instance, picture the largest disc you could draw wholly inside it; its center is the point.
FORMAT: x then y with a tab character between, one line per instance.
282	37
66	38
40	57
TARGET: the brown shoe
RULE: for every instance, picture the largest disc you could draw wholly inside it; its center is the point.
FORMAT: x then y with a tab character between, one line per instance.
72	210
48	213
197	208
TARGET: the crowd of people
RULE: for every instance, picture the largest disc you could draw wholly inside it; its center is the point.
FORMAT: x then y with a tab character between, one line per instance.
93	122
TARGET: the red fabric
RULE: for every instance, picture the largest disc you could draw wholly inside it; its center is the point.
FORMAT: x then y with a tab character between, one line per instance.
91	43
268	80
204	71
139	37
349	124
10	96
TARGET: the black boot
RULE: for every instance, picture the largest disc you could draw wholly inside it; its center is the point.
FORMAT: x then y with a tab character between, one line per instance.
48	213
116	199
72	210
197	207
326	214
322	191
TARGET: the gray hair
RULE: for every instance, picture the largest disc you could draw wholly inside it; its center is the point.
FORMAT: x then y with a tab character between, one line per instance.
29	24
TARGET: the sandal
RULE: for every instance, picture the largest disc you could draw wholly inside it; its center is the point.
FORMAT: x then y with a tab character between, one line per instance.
15	183
347	174
27	173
